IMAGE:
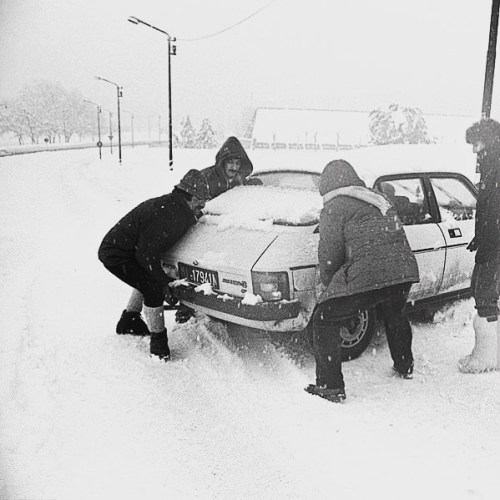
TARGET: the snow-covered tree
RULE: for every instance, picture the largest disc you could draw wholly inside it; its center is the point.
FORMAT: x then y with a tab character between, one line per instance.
398	125
188	135
46	110
205	138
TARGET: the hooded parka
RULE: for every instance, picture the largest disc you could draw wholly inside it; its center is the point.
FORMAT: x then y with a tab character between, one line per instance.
147	232
362	244
215	175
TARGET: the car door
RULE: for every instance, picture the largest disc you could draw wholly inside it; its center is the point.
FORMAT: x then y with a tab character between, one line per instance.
412	199
455	197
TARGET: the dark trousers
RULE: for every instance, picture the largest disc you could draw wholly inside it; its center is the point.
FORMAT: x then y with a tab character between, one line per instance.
485	285
330	316
133	274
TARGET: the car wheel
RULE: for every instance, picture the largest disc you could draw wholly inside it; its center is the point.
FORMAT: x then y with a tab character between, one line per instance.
356	337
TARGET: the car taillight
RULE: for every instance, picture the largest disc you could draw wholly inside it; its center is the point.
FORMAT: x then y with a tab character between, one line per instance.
271	286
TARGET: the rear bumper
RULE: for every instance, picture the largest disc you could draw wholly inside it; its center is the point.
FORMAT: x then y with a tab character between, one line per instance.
278	316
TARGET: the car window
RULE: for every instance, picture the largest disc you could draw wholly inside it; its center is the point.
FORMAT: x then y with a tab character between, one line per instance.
408	198
289	180
454	198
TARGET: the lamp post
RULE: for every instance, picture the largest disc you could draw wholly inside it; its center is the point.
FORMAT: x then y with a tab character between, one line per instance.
119	93
172	50
99	143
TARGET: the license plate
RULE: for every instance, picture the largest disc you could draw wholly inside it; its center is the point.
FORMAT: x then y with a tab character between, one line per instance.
198	275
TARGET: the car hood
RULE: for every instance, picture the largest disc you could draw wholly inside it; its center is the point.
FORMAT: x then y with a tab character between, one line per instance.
212	247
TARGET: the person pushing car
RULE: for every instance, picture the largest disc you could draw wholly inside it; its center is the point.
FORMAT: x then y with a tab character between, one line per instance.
231	169
364	260
132	251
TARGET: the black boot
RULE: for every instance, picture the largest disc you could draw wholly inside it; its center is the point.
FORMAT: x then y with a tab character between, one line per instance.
333	395
159	345
131	323
183	314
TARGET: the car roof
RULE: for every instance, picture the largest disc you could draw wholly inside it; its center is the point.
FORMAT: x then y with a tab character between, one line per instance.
373	162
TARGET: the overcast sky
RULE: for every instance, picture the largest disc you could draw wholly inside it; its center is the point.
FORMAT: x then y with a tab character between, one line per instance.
329	54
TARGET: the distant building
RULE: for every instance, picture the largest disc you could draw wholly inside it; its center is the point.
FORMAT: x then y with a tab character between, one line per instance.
284	128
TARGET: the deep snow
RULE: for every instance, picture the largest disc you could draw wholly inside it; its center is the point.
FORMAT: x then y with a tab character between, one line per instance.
86	414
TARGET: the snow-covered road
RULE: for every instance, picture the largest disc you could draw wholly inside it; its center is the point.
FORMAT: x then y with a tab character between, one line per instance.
86	414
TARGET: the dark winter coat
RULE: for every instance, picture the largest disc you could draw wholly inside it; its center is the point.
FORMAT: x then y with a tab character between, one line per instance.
362	243
487	231
215	175
146	232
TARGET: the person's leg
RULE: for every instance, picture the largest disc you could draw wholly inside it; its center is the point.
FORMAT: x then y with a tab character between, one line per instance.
152	291
485	288
328	319
327	349
398	329
131	321
135	302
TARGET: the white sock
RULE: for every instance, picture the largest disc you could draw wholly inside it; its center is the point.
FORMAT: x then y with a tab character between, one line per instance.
154	318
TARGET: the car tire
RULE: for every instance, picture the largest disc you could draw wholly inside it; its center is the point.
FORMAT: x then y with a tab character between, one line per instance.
357	337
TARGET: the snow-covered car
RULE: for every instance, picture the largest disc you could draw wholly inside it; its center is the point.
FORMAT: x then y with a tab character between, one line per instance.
252	258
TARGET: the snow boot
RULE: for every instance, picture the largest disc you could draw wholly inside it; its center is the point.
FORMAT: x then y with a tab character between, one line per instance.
159	345
183	314
484	355
131	323
333	395
406	373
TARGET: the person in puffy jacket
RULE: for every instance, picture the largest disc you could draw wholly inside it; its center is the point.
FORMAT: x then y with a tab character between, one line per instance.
132	251
364	260
485	284
232	167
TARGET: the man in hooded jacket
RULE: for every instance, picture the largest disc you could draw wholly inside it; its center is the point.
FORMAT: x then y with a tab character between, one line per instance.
485	284
231	169
364	260
132	251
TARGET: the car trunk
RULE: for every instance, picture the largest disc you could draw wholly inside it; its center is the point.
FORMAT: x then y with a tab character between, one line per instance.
230	253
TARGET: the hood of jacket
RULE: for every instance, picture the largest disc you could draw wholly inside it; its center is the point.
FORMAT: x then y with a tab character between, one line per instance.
232	148
338	174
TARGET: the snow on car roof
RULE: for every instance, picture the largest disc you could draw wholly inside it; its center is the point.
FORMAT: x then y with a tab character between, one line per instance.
374	161
258	207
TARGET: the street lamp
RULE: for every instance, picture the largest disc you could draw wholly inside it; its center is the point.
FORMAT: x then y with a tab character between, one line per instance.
119	93
131	124
171	52
99	143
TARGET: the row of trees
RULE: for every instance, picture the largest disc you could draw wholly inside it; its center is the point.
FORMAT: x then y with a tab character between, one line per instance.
45	111
204	138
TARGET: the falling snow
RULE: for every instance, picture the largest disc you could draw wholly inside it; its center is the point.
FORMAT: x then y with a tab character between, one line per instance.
87	414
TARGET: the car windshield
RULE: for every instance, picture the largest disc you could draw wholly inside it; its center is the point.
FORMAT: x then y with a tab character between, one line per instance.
291	180
257	206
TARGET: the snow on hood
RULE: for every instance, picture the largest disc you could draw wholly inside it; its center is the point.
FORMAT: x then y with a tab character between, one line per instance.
259	207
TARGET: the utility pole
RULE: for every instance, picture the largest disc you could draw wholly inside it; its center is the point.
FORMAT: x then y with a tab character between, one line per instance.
119	94
99	142
490	60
